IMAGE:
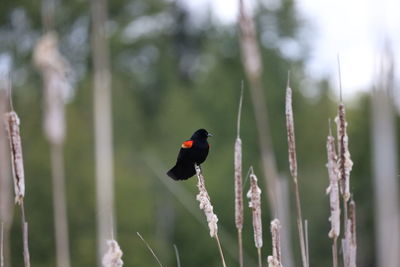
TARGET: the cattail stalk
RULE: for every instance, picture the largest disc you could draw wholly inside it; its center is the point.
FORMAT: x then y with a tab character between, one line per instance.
276	259
239	182
12	125
205	205
333	191
349	243
293	170
112	258
254	195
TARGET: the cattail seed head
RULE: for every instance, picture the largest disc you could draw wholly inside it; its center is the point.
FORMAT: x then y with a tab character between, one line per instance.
238	184
254	194
250	49
350	241
12	126
57	85
344	162
205	203
333	189
290	134
112	258
275	260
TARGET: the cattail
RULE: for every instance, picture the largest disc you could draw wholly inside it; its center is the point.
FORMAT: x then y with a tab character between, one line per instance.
239	182
205	205
57	85
344	162
293	169
290	134
12	124
275	260
112	258
250	50
333	189
254	194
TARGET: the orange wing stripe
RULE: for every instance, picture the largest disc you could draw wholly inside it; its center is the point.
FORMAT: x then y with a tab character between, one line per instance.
187	144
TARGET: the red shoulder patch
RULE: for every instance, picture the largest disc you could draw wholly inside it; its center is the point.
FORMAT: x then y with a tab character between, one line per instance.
187	144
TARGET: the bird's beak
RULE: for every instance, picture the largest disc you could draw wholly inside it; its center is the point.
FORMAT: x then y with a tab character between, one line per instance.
209	135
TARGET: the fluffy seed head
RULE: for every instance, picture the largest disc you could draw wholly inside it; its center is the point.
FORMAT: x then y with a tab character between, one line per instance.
205	203
113	256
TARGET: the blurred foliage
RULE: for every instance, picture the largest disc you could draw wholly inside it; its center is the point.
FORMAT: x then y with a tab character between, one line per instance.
172	74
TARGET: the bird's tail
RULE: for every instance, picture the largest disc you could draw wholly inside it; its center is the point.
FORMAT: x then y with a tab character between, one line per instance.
182	171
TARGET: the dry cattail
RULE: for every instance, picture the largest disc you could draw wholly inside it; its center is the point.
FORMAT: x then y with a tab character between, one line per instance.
205	203
238	184
290	134
275	260
112	258
57	86
250	51
293	170
238	171
333	189
12	125
254	195
344	162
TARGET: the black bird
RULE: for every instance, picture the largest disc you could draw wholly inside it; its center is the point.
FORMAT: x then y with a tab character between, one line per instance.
194	150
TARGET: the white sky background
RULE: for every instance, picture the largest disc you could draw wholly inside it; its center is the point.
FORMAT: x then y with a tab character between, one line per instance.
355	30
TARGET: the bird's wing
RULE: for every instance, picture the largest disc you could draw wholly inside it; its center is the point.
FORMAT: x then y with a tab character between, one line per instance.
187	144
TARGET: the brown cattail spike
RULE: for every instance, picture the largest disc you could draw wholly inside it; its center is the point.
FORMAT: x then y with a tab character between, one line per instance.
344	162
290	134
12	126
254	195
238	171
333	189
275	260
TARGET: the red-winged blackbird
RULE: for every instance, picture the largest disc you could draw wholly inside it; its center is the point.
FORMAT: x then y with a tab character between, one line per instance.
194	150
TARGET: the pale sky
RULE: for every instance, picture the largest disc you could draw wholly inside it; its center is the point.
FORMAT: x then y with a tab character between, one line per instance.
356	30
